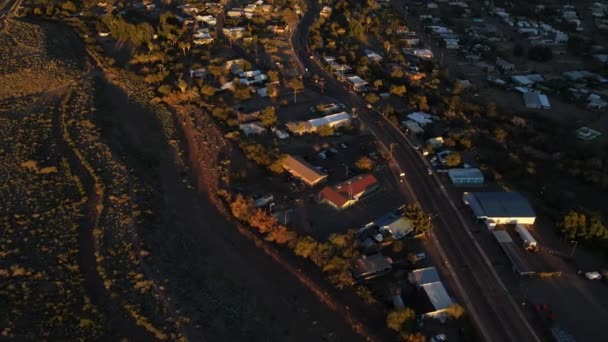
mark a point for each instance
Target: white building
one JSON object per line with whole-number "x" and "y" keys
{"x": 253, "y": 128}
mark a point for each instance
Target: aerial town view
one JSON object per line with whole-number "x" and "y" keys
{"x": 304, "y": 170}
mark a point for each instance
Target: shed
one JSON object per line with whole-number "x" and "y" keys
{"x": 466, "y": 176}
{"x": 370, "y": 266}
{"x": 253, "y": 128}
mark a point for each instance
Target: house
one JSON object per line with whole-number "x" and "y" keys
{"x": 467, "y": 176}
{"x": 235, "y": 66}
{"x": 412, "y": 126}
{"x": 595, "y": 102}
{"x": 303, "y": 171}
{"x": 347, "y": 193}
{"x": 436, "y": 142}
{"x": 587, "y": 134}
{"x": 328, "y": 108}
{"x": 427, "y": 280}
{"x": 198, "y": 73}
{"x": 370, "y": 266}
{"x": 522, "y": 80}
{"x": 209, "y": 19}
{"x": 536, "y": 100}
{"x": 235, "y": 32}
{"x": 202, "y": 37}
{"x": 325, "y": 12}
{"x": 500, "y": 207}
{"x": 399, "y": 227}
{"x": 504, "y": 65}
{"x": 372, "y": 56}
{"x": 235, "y": 13}
{"x": 421, "y": 118}
{"x": 252, "y": 128}
{"x": 281, "y": 134}
{"x": 420, "y": 53}
{"x": 357, "y": 83}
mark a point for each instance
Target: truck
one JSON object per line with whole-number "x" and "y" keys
{"x": 530, "y": 243}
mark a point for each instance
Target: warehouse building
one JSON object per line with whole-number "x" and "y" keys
{"x": 500, "y": 208}
{"x": 469, "y": 176}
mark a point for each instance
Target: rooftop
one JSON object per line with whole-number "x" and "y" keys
{"x": 499, "y": 204}
{"x": 366, "y": 266}
{"x": 424, "y": 276}
{"x": 303, "y": 170}
{"x": 351, "y": 189}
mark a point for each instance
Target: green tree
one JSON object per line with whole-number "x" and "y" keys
{"x": 500, "y": 134}
{"x": 364, "y": 164}
{"x": 576, "y": 225}
{"x": 453, "y": 159}
{"x": 422, "y": 221}
{"x": 455, "y": 311}
{"x": 208, "y": 90}
{"x": 305, "y": 246}
{"x": 296, "y": 85}
{"x": 399, "y": 320}
{"x": 165, "y": 89}
{"x": 491, "y": 109}
{"x": 268, "y": 117}
{"x": 372, "y": 98}
{"x": 398, "y": 90}
{"x": 325, "y": 131}
{"x": 69, "y": 6}
{"x": 242, "y": 207}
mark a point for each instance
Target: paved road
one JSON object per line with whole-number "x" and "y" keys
{"x": 485, "y": 298}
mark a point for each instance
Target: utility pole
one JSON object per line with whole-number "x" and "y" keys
{"x": 350, "y": 190}
{"x": 285, "y": 217}
{"x": 390, "y": 153}
{"x": 573, "y": 248}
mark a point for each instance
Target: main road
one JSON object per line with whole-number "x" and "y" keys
{"x": 485, "y": 297}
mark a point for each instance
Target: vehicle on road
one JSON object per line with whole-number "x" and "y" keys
{"x": 429, "y": 171}
{"x": 439, "y": 338}
{"x": 593, "y": 275}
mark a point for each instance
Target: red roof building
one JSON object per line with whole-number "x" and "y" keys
{"x": 347, "y": 193}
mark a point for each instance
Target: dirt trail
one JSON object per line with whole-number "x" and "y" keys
{"x": 93, "y": 283}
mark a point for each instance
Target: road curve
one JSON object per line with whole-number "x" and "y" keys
{"x": 486, "y": 299}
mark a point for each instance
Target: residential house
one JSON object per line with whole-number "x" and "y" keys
{"x": 252, "y": 128}
{"x": 235, "y": 32}
{"x": 303, "y": 170}
{"x": 536, "y": 100}
{"x": 347, "y": 193}
{"x": 370, "y": 266}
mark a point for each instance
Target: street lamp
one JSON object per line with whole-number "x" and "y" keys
{"x": 285, "y": 217}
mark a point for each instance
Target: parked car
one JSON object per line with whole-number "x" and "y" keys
{"x": 343, "y": 145}
{"x": 333, "y": 151}
{"x": 322, "y": 155}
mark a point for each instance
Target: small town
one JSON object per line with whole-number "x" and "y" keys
{"x": 304, "y": 170}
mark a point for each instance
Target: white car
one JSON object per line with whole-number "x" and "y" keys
{"x": 322, "y": 155}
{"x": 593, "y": 275}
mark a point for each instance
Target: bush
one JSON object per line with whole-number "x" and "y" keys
{"x": 398, "y": 320}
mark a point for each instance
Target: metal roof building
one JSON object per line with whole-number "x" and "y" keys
{"x": 303, "y": 171}
{"x": 536, "y": 100}
{"x": 428, "y": 280}
{"x": 466, "y": 176}
{"x": 500, "y": 207}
